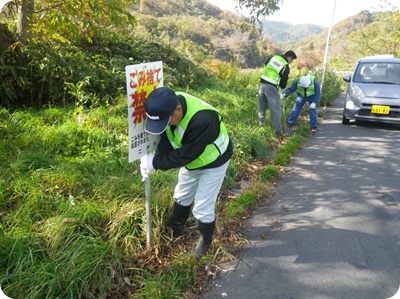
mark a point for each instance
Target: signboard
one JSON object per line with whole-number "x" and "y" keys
{"x": 141, "y": 79}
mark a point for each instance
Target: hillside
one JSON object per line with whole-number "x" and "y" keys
{"x": 202, "y": 32}
{"x": 311, "y": 49}
{"x": 190, "y": 36}
{"x": 285, "y": 33}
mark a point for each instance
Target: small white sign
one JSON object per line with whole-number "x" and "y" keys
{"x": 141, "y": 80}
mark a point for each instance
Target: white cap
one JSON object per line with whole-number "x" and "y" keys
{"x": 305, "y": 81}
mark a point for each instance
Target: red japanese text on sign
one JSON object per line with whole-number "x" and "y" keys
{"x": 139, "y": 113}
{"x": 147, "y": 81}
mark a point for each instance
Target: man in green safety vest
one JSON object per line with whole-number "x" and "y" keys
{"x": 308, "y": 90}
{"x": 274, "y": 76}
{"x": 194, "y": 139}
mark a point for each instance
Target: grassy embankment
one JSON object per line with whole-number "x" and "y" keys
{"x": 72, "y": 213}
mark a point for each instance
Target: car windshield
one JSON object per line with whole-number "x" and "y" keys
{"x": 377, "y": 72}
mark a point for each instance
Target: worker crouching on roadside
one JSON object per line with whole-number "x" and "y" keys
{"x": 194, "y": 139}
{"x": 308, "y": 90}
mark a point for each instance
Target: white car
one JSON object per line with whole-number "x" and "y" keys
{"x": 373, "y": 93}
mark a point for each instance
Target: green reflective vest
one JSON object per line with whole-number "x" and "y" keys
{"x": 213, "y": 150}
{"x": 306, "y": 92}
{"x": 273, "y": 68}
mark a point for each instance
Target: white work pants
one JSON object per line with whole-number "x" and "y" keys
{"x": 200, "y": 186}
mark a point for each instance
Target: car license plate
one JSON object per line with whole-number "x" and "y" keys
{"x": 380, "y": 109}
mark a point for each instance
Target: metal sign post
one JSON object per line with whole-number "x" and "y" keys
{"x": 148, "y": 212}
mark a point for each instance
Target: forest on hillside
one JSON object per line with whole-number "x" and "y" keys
{"x": 76, "y": 49}
{"x": 200, "y": 30}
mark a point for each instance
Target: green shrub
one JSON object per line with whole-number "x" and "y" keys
{"x": 85, "y": 75}
{"x": 331, "y": 88}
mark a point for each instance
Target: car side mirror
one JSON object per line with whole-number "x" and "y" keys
{"x": 347, "y": 78}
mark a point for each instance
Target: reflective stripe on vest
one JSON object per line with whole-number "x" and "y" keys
{"x": 213, "y": 150}
{"x": 306, "y": 92}
{"x": 273, "y": 68}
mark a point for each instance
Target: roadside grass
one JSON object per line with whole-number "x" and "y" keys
{"x": 72, "y": 215}
{"x": 171, "y": 281}
{"x": 269, "y": 173}
{"x": 243, "y": 202}
{"x": 293, "y": 144}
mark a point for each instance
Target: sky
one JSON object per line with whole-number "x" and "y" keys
{"x": 317, "y": 12}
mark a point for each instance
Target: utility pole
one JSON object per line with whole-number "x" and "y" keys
{"x": 327, "y": 47}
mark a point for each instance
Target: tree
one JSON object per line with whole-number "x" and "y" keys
{"x": 259, "y": 8}
{"x": 25, "y": 13}
{"x": 70, "y": 20}
{"x": 382, "y": 37}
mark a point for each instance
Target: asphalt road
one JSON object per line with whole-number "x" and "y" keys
{"x": 333, "y": 228}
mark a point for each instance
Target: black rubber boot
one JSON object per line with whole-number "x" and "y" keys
{"x": 180, "y": 214}
{"x": 205, "y": 240}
